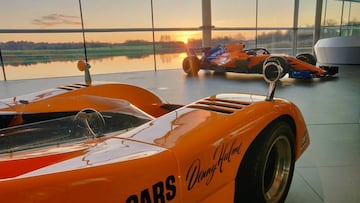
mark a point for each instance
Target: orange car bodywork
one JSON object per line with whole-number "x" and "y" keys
{"x": 187, "y": 154}
{"x": 235, "y": 53}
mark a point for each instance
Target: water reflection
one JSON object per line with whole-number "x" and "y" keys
{"x": 105, "y": 65}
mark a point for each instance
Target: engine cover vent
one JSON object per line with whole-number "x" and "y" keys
{"x": 72, "y": 87}
{"x": 220, "y": 105}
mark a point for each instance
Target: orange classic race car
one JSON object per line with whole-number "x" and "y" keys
{"x": 110, "y": 142}
{"x": 234, "y": 58}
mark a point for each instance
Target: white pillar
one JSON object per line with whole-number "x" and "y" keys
{"x": 206, "y": 23}
{"x": 317, "y": 25}
{"x": 295, "y": 26}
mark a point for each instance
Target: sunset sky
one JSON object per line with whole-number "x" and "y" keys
{"x": 62, "y": 14}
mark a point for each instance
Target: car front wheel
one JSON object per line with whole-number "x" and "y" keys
{"x": 281, "y": 62}
{"x": 266, "y": 171}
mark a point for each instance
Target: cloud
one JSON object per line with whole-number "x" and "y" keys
{"x": 54, "y": 20}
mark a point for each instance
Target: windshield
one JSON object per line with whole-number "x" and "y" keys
{"x": 85, "y": 124}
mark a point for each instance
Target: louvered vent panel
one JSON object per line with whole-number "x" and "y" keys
{"x": 220, "y": 105}
{"x": 72, "y": 87}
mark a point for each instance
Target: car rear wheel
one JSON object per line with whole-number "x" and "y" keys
{"x": 308, "y": 58}
{"x": 191, "y": 65}
{"x": 266, "y": 171}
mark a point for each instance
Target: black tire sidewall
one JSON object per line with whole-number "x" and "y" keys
{"x": 280, "y": 61}
{"x": 308, "y": 58}
{"x": 186, "y": 65}
{"x": 249, "y": 178}
{"x": 191, "y": 65}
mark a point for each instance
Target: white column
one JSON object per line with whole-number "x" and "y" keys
{"x": 206, "y": 23}
{"x": 317, "y": 25}
{"x": 295, "y": 26}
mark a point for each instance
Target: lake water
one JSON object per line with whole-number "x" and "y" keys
{"x": 114, "y": 64}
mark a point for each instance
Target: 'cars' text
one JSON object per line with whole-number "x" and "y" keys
{"x": 161, "y": 192}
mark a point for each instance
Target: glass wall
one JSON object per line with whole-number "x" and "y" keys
{"x": 275, "y": 13}
{"x": 32, "y": 54}
{"x": 235, "y": 14}
{"x": 236, "y": 24}
{"x": 179, "y": 22}
{"x": 340, "y": 18}
{"x": 306, "y": 21}
{"x": 44, "y": 38}
{"x": 259, "y": 23}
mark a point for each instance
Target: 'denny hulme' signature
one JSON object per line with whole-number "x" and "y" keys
{"x": 222, "y": 155}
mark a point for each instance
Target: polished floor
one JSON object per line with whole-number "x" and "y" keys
{"x": 329, "y": 171}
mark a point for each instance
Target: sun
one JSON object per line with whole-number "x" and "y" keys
{"x": 185, "y": 36}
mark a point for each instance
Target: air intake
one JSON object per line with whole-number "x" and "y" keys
{"x": 220, "y": 105}
{"x": 72, "y": 87}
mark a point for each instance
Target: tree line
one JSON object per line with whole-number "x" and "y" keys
{"x": 28, "y": 45}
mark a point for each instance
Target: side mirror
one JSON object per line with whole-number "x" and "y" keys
{"x": 84, "y": 66}
{"x": 272, "y": 73}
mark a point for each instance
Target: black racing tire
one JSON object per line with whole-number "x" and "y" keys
{"x": 191, "y": 65}
{"x": 266, "y": 172}
{"x": 280, "y": 61}
{"x": 308, "y": 58}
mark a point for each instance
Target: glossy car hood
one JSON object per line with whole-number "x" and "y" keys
{"x": 207, "y": 116}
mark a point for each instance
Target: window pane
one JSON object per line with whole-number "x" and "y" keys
{"x": 305, "y": 41}
{"x": 276, "y": 13}
{"x": 20, "y": 14}
{"x": 177, "y": 13}
{"x": 306, "y": 13}
{"x": 331, "y": 13}
{"x": 171, "y": 47}
{"x": 234, "y": 13}
{"x": 117, "y": 14}
{"x": 30, "y": 59}
{"x": 355, "y": 19}
{"x": 351, "y": 19}
{"x": 243, "y": 36}
{"x": 276, "y": 41}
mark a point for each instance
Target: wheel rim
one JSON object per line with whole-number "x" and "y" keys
{"x": 277, "y": 169}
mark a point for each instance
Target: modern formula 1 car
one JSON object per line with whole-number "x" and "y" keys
{"x": 234, "y": 58}
{"x": 110, "y": 142}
